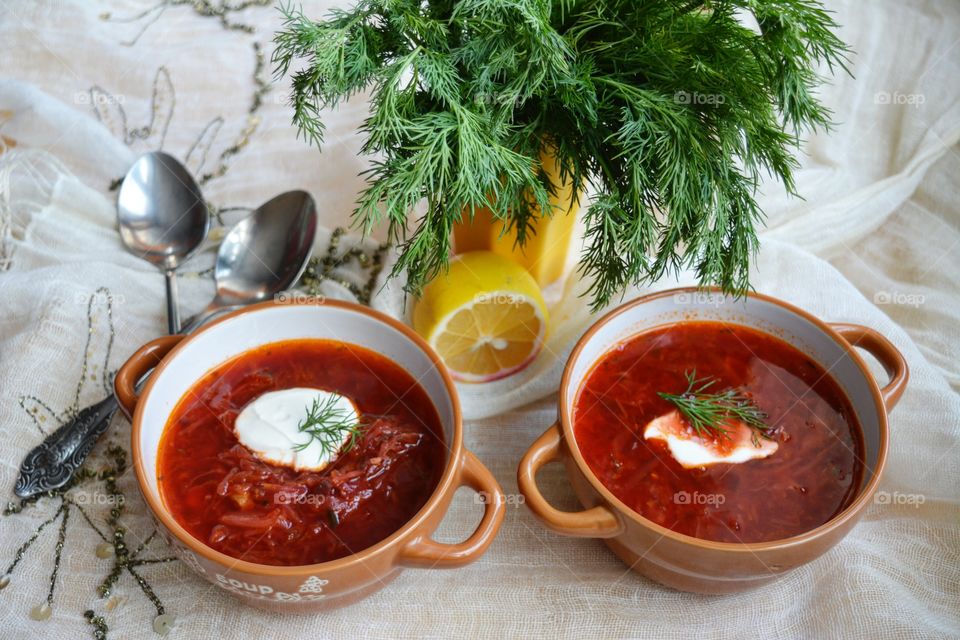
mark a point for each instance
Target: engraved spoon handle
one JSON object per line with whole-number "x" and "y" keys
{"x": 52, "y": 463}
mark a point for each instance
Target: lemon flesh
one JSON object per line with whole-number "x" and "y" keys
{"x": 485, "y": 317}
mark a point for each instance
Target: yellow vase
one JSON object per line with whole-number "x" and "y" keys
{"x": 546, "y": 250}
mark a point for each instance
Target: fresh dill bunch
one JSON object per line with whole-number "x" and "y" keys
{"x": 672, "y": 110}
{"x": 326, "y": 423}
{"x": 709, "y": 413}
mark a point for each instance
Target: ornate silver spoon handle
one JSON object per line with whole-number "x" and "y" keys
{"x": 52, "y": 463}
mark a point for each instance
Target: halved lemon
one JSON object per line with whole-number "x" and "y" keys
{"x": 485, "y": 317}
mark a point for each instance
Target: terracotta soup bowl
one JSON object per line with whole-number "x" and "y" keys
{"x": 681, "y": 561}
{"x": 180, "y": 361}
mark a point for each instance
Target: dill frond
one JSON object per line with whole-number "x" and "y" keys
{"x": 673, "y": 110}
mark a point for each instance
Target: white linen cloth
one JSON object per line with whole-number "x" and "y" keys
{"x": 875, "y": 242}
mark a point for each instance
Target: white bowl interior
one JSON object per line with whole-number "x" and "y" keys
{"x": 751, "y": 312}
{"x": 249, "y": 330}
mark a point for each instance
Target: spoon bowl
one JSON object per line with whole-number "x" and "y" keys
{"x": 263, "y": 255}
{"x": 162, "y": 217}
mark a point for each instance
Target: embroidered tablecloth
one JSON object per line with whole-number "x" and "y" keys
{"x": 88, "y": 85}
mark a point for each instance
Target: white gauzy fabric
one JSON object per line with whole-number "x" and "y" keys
{"x": 875, "y": 242}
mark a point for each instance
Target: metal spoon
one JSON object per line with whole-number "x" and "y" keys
{"x": 253, "y": 263}
{"x": 279, "y": 237}
{"x": 163, "y": 218}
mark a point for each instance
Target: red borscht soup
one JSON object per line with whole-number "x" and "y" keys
{"x": 239, "y": 504}
{"x": 814, "y": 472}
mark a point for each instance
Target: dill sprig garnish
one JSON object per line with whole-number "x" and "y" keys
{"x": 326, "y": 422}
{"x": 674, "y": 111}
{"x": 709, "y": 413}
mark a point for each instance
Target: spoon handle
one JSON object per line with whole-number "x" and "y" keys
{"x": 52, "y": 463}
{"x": 173, "y": 306}
{"x": 215, "y": 309}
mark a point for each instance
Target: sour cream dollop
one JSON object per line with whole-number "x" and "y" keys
{"x": 692, "y": 451}
{"x": 270, "y": 427}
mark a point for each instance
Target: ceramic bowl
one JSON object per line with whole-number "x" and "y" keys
{"x": 684, "y": 562}
{"x": 180, "y": 361}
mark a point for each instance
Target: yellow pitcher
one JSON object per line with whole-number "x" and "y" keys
{"x": 545, "y": 252}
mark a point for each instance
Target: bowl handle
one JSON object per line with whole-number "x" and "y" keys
{"x": 874, "y": 343}
{"x": 599, "y": 522}
{"x": 424, "y": 553}
{"x": 146, "y": 358}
